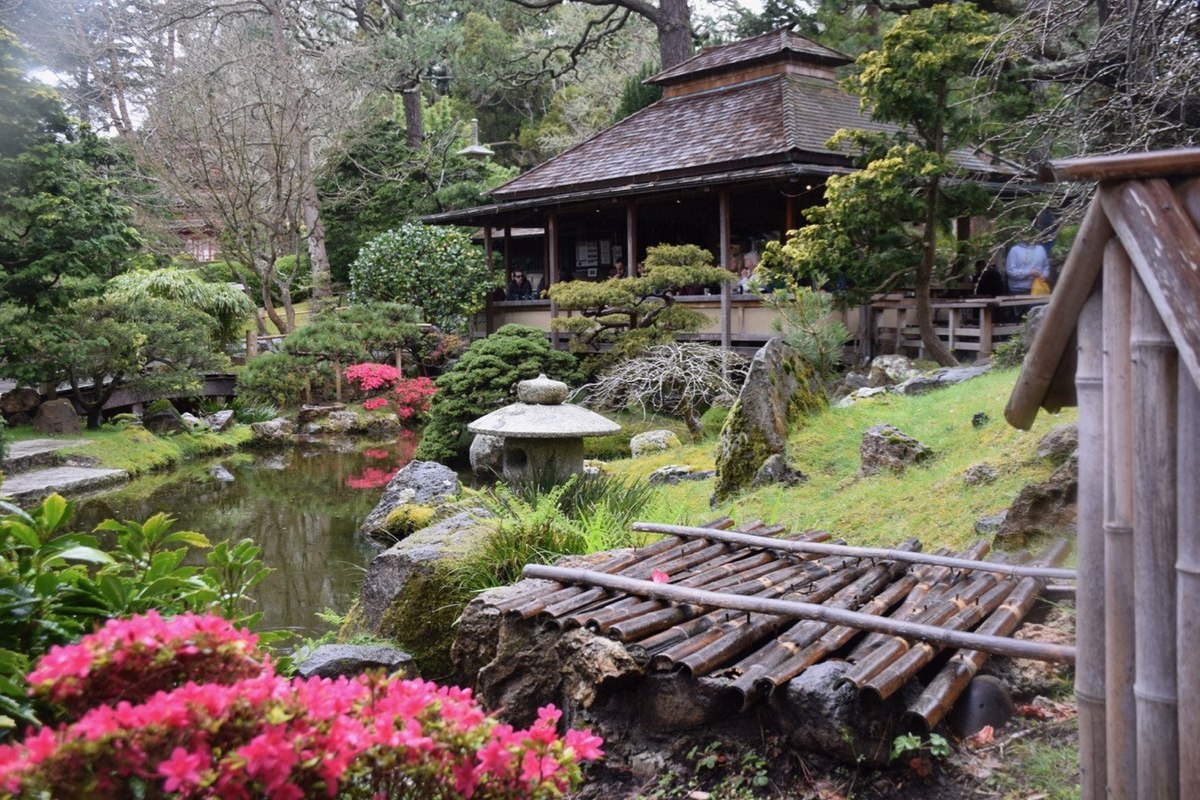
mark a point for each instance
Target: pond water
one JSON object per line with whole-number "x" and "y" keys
{"x": 302, "y": 506}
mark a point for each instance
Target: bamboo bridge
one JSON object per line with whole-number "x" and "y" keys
{"x": 757, "y": 606}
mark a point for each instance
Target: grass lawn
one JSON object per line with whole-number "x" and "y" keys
{"x": 929, "y": 502}
{"x": 137, "y": 451}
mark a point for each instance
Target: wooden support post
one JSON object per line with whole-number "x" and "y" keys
{"x": 1155, "y": 394}
{"x": 631, "y": 241}
{"x": 726, "y": 264}
{"x": 508, "y": 253}
{"x": 1119, "y": 596}
{"x": 789, "y": 216}
{"x": 986, "y": 315}
{"x": 552, "y": 268}
{"x": 1089, "y": 615}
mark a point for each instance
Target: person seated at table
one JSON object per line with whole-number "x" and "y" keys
{"x": 618, "y": 269}
{"x": 1025, "y": 262}
{"x": 519, "y": 288}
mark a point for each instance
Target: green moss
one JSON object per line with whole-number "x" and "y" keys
{"x": 422, "y": 620}
{"x": 137, "y": 451}
{"x": 408, "y": 518}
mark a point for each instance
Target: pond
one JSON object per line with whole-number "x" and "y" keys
{"x": 302, "y": 506}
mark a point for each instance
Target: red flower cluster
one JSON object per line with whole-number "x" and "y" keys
{"x": 370, "y": 377}
{"x": 413, "y": 396}
{"x": 267, "y": 736}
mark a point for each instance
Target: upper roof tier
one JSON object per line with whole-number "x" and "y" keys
{"x": 778, "y": 46}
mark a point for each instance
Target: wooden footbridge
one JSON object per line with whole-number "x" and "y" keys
{"x": 757, "y": 606}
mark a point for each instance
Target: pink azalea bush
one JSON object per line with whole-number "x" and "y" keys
{"x": 409, "y": 396}
{"x": 238, "y": 737}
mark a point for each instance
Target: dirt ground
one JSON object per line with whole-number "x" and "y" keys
{"x": 1034, "y": 757}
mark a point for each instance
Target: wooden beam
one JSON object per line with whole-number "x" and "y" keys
{"x": 552, "y": 266}
{"x": 723, "y": 214}
{"x": 631, "y": 238}
{"x": 1164, "y": 245}
{"x": 1126, "y": 165}
{"x": 1001, "y": 645}
{"x": 1074, "y": 286}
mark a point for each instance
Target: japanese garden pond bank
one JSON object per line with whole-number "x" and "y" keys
{"x": 302, "y": 505}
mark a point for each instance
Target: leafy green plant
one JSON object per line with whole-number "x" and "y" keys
{"x": 484, "y": 379}
{"x": 228, "y": 306}
{"x": 56, "y": 584}
{"x": 915, "y": 747}
{"x": 437, "y": 269}
{"x": 805, "y": 318}
{"x": 280, "y": 379}
{"x": 247, "y": 411}
{"x": 633, "y": 313}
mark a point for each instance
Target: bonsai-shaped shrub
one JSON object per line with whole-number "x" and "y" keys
{"x": 805, "y": 318}
{"x": 230, "y": 307}
{"x": 437, "y": 269}
{"x": 484, "y": 379}
{"x": 212, "y": 719}
{"x": 634, "y": 313}
{"x": 681, "y": 379}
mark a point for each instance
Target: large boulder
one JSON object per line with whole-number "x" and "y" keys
{"x": 406, "y": 595}
{"x": 341, "y": 422}
{"x": 1059, "y": 444}
{"x": 415, "y": 493}
{"x": 57, "y": 417}
{"x": 312, "y": 413}
{"x": 487, "y": 455}
{"x": 1046, "y": 507}
{"x": 780, "y": 387}
{"x": 820, "y": 714}
{"x": 21, "y": 400}
{"x": 279, "y": 431}
{"x": 886, "y": 447}
{"x": 220, "y": 421}
{"x": 652, "y": 442}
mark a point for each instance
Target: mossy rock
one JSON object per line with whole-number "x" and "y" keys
{"x": 408, "y": 518}
{"x": 780, "y": 389}
{"x": 409, "y": 596}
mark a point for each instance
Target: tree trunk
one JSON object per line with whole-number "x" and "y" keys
{"x": 674, "y": 25}
{"x": 414, "y": 126}
{"x": 269, "y": 305}
{"x": 929, "y": 339}
{"x": 310, "y": 208}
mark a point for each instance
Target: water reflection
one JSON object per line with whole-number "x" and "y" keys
{"x": 302, "y": 506}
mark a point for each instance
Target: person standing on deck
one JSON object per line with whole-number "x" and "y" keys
{"x": 1024, "y": 263}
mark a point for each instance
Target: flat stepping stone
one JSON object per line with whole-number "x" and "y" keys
{"x": 30, "y": 487}
{"x": 33, "y": 453}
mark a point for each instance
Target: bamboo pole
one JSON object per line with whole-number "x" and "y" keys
{"x": 1120, "y": 710}
{"x": 935, "y": 702}
{"x": 855, "y": 552}
{"x": 1155, "y": 394}
{"x": 1089, "y": 615}
{"x": 1188, "y": 577}
{"x": 888, "y": 681}
{"x": 797, "y": 610}
{"x": 1124, "y": 165}
{"x": 1074, "y": 285}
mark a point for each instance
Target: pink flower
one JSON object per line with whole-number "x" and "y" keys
{"x": 585, "y": 744}
{"x": 182, "y": 769}
{"x": 658, "y": 576}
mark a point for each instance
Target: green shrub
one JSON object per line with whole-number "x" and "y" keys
{"x": 247, "y": 411}
{"x": 437, "y": 269}
{"x": 363, "y": 332}
{"x": 484, "y": 379}
{"x": 805, "y": 318}
{"x": 56, "y": 585}
{"x": 540, "y": 521}
{"x": 280, "y": 379}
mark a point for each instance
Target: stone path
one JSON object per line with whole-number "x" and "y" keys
{"x": 32, "y": 472}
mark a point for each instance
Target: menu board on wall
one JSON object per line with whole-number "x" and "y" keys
{"x": 587, "y": 253}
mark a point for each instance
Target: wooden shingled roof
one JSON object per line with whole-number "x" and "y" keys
{"x": 772, "y": 100}
{"x": 1151, "y": 203}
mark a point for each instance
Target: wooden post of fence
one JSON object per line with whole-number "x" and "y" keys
{"x": 1119, "y": 597}
{"x": 1089, "y": 623}
{"x": 1155, "y": 394}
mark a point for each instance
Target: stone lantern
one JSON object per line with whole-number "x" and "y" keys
{"x": 541, "y": 430}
